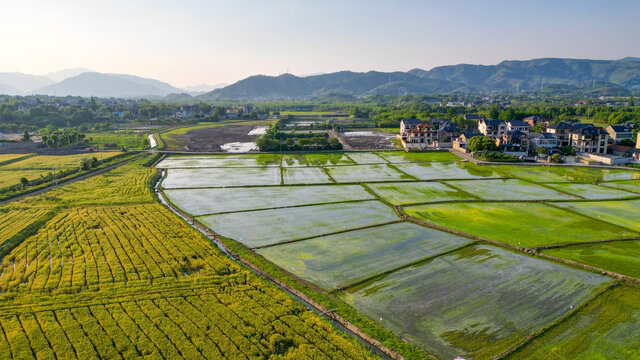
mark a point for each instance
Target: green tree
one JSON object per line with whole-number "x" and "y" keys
{"x": 26, "y": 137}
{"x": 24, "y": 181}
{"x": 541, "y": 151}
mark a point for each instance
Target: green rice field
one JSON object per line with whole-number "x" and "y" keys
{"x": 12, "y": 177}
{"x": 366, "y": 158}
{"x": 404, "y": 157}
{"x": 593, "y": 192}
{"x": 627, "y": 185}
{"x": 438, "y": 171}
{"x": 508, "y": 189}
{"x": 624, "y": 213}
{"x": 267, "y": 227}
{"x": 475, "y": 302}
{"x": 606, "y": 328}
{"x": 338, "y": 260}
{"x": 217, "y": 200}
{"x": 507, "y": 223}
{"x": 564, "y": 174}
{"x": 220, "y": 161}
{"x": 293, "y": 160}
{"x": 400, "y": 193}
{"x": 622, "y": 257}
{"x": 310, "y": 175}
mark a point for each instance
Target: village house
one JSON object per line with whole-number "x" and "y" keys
{"x": 518, "y": 125}
{"x": 460, "y": 143}
{"x": 515, "y": 142}
{"x": 536, "y": 120}
{"x": 474, "y": 117}
{"x": 233, "y": 114}
{"x": 408, "y": 124}
{"x": 445, "y": 134}
{"x": 618, "y": 133}
{"x": 548, "y": 141}
{"x": 420, "y": 137}
{"x": 589, "y": 139}
{"x": 561, "y": 131}
{"x": 492, "y": 128}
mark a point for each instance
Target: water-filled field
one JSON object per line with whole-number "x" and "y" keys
{"x": 622, "y": 257}
{"x": 606, "y": 328}
{"x": 436, "y": 170}
{"x": 366, "y": 158}
{"x": 338, "y": 260}
{"x": 217, "y": 200}
{"x": 310, "y": 175}
{"x": 627, "y": 185}
{"x": 625, "y": 213}
{"x": 593, "y": 192}
{"x": 508, "y": 189}
{"x": 402, "y": 193}
{"x": 293, "y": 160}
{"x": 221, "y": 177}
{"x": 364, "y": 173}
{"x": 564, "y": 174}
{"x": 475, "y": 302}
{"x": 521, "y": 224}
{"x": 266, "y": 227}
{"x": 220, "y": 161}
{"x": 403, "y": 157}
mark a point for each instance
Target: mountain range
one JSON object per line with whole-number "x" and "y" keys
{"x": 604, "y": 77}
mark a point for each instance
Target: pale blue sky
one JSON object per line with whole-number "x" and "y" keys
{"x": 190, "y": 42}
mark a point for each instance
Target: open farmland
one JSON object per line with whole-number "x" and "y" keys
{"x": 627, "y": 185}
{"x": 622, "y": 257}
{"x": 504, "y": 222}
{"x": 475, "y": 302}
{"x": 12, "y": 177}
{"x": 185, "y": 162}
{"x": 133, "y": 280}
{"x": 417, "y": 192}
{"x": 606, "y": 328}
{"x": 58, "y": 162}
{"x": 404, "y": 276}
{"x": 625, "y": 213}
{"x": 342, "y": 259}
{"x": 211, "y": 201}
{"x": 508, "y": 189}
{"x": 267, "y": 227}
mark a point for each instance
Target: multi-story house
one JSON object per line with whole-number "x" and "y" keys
{"x": 618, "y": 133}
{"x": 515, "y": 141}
{"x": 420, "y": 137}
{"x": 492, "y": 128}
{"x": 406, "y": 125}
{"x": 593, "y": 140}
{"x": 518, "y": 125}
{"x": 548, "y": 141}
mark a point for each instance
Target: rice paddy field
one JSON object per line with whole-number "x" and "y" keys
{"x": 59, "y": 162}
{"x": 396, "y": 237}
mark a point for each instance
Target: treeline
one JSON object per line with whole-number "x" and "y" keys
{"x": 61, "y": 138}
{"x": 273, "y": 141}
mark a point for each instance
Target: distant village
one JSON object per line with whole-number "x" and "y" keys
{"x": 531, "y": 137}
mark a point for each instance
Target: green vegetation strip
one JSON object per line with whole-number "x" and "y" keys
{"x": 624, "y": 213}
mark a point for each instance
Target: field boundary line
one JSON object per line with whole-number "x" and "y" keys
{"x": 593, "y": 218}
{"x": 401, "y": 267}
{"x": 556, "y": 322}
{"x": 285, "y": 207}
{"x": 563, "y": 245}
{"x": 604, "y": 184}
{"x": 297, "y": 294}
{"x": 327, "y": 234}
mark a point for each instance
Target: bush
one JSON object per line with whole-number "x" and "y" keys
{"x": 555, "y": 158}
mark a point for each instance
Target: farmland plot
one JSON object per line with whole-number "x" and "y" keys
{"x": 593, "y": 192}
{"x": 435, "y": 171}
{"x": 627, "y": 185}
{"x": 622, "y": 257}
{"x": 365, "y": 173}
{"x": 508, "y": 189}
{"x": 405, "y": 157}
{"x": 624, "y": 213}
{"x": 564, "y": 174}
{"x": 606, "y": 328}
{"x": 400, "y": 193}
{"x": 12, "y": 177}
{"x": 83, "y": 247}
{"x": 311, "y": 175}
{"x": 206, "y": 321}
{"x": 296, "y": 160}
{"x": 475, "y": 302}
{"x": 520, "y": 224}
{"x": 210, "y": 201}
{"x": 14, "y": 220}
{"x": 9, "y": 157}
{"x": 366, "y": 158}
{"x": 267, "y": 227}
{"x": 48, "y": 162}
{"x": 338, "y": 260}
{"x": 220, "y": 161}
{"x": 221, "y": 177}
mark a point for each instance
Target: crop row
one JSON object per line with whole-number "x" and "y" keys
{"x": 249, "y": 322}
{"x": 82, "y": 247}
{"x": 14, "y": 220}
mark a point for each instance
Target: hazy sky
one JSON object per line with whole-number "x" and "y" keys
{"x": 188, "y": 42}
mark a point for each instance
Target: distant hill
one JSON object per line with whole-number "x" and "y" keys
{"x": 202, "y": 88}
{"x": 58, "y": 76}
{"x": 22, "y": 83}
{"x": 109, "y": 85}
{"x": 618, "y": 77}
